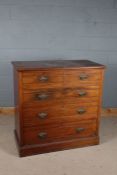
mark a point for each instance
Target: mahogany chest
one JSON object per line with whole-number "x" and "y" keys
{"x": 57, "y": 104}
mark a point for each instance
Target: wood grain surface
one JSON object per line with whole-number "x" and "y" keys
{"x": 58, "y": 105}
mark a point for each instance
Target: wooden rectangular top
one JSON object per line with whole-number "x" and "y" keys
{"x": 32, "y": 65}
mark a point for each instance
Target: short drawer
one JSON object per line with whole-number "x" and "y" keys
{"x": 77, "y": 112}
{"x": 81, "y": 92}
{"x": 81, "y": 95}
{"x": 41, "y": 135}
{"x": 73, "y": 78}
{"x": 84, "y": 101}
{"x": 33, "y": 80}
{"x": 43, "y": 98}
{"x": 42, "y": 116}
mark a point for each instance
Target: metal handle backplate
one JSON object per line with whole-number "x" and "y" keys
{"x": 82, "y": 93}
{"x": 81, "y": 111}
{"x": 42, "y": 135}
{"x": 42, "y": 115}
{"x": 80, "y": 129}
{"x": 42, "y": 96}
{"x": 43, "y": 78}
{"x": 83, "y": 76}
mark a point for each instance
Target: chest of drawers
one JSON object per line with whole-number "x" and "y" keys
{"x": 57, "y": 104}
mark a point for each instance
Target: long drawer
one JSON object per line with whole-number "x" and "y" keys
{"x": 41, "y": 135}
{"x": 46, "y": 97}
{"x": 58, "y": 115}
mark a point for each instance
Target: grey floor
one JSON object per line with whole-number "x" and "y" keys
{"x": 96, "y": 160}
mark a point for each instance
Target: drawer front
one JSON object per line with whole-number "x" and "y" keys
{"x": 81, "y": 101}
{"x": 73, "y": 78}
{"x": 43, "y": 134}
{"x": 58, "y": 115}
{"x": 43, "y": 98}
{"x": 77, "y": 112}
{"x": 34, "y": 80}
{"x": 81, "y": 95}
{"x": 81, "y": 92}
{"x": 49, "y": 97}
{"x": 42, "y": 116}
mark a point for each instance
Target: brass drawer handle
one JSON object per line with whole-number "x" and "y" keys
{"x": 42, "y": 135}
{"x": 82, "y": 93}
{"x": 83, "y": 76}
{"x": 80, "y": 129}
{"x": 81, "y": 111}
{"x": 42, "y": 115}
{"x": 42, "y": 96}
{"x": 43, "y": 78}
